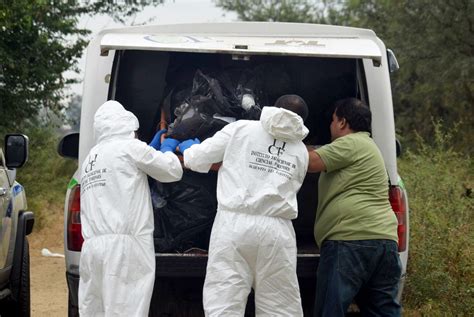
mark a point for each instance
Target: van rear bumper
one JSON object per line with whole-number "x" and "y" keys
{"x": 182, "y": 275}
{"x": 180, "y": 278}
{"x": 194, "y": 265}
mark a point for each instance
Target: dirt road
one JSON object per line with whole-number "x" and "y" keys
{"x": 48, "y": 281}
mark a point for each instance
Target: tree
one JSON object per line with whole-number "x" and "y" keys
{"x": 434, "y": 43}
{"x": 308, "y": 11}
{"x": 39, "y": 41}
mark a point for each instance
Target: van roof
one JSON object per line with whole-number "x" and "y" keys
{"x": 242, "y": 38}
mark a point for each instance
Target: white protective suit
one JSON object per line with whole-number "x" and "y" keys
{"x": 117, "y": 265}
{"x": 253, "y": 242}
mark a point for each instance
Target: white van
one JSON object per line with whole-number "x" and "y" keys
{"x": 141, "y": 66}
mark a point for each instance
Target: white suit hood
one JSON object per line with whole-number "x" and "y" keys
{"x": 283, "y": 124}
{"x": 111, "y": 119}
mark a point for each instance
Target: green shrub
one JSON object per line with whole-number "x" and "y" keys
{"x": 439, "y": 181}
{"x": 46, "y": 174}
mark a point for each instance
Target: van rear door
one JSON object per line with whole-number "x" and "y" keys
{"x": 339, "y": 47}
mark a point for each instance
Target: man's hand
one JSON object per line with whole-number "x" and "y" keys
{"x": 156, "y": 142}
{"x": 183, "y": 146}
{"x": 169, "y": 144}
{"x": 315, "y": 163}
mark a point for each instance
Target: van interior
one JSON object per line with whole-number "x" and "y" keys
{"x": 144, "y": 80}
{"x": 141, "y": 81}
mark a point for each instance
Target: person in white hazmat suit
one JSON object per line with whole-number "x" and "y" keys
{"x": 117, "y": 265}
{"x": 253, "y": 242}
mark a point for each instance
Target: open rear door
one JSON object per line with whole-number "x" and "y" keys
{"x": 339, "y": 47}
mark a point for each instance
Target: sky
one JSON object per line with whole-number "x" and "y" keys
{"x": 171, "y": 12}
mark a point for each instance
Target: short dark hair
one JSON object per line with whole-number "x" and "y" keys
{"x": 356, "y": 113}
{"x": 293, "y": 103}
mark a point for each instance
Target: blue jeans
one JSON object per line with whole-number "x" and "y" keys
{"x": 365, "y": 270}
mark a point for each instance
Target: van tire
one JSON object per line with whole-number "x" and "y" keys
{"x": 72, "y": 311}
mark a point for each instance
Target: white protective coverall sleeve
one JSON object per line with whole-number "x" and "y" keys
{"x": 253, "y": 242}
{"x": 200, "y": 157}
{"x": 164, "y": 167}
{"x": 117, "y": 264}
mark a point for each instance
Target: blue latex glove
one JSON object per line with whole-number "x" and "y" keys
{"x": 156, "y": 142}
{"x": 183, "y": 146}
{"x": 169, "y": 144}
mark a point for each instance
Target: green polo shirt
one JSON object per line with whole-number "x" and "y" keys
{"x": 353, "y": 192}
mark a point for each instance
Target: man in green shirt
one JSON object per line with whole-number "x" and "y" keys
{"x": 355, "y": 227}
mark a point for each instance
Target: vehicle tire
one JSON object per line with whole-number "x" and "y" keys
{"x": 72, "y": 311}
{"x": 23, "y": 303}
{"x": 21, "y": 306}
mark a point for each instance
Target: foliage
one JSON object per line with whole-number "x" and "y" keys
{"x": 261, "y": 10}
{"x": 434, "y": 43}
{"x": 39, "y": 41}
{"x": 46, "y": 175}
{"x": 439, "y": 181}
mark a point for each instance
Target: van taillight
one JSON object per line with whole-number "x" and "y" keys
{"x": 74, "y": 234}
{"x": 399, "y": 206}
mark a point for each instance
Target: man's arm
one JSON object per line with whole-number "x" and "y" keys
{"x": 315, "y": 163}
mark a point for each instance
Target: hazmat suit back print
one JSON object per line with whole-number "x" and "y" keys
{"x": 117, "y": 265}
{"x": 253, "y": 242}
